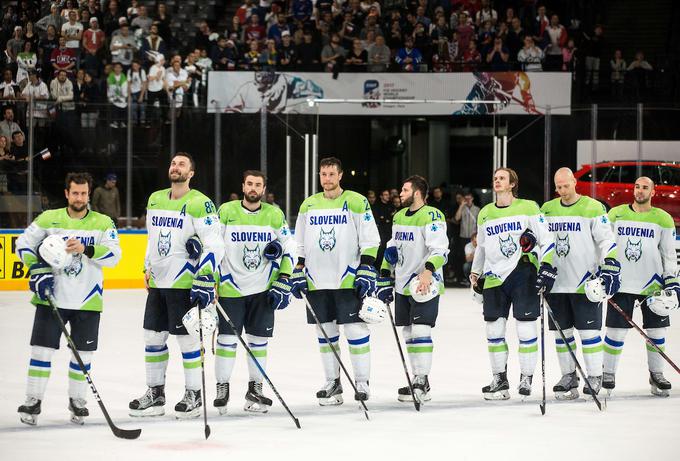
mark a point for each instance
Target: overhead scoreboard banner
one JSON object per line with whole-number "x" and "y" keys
{"x": 290, "y": 92}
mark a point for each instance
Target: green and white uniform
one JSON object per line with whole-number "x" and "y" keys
{"x": 245, "y": 279}
{"x": 78, "y": 291}
{"x": 510, "y": 276}
{"x": 583, "y": 239}
{"x": 333, "y": 236}
{"x": 646, "y": 242}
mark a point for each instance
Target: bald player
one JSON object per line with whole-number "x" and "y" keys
{"x": 646, "y": 237}
{"x": 584, "y": 246}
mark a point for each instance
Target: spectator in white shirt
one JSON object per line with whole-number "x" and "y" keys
{"x": 138, "y": 83}
{"x": 531, "y": 56}
{"x": 73, "y": 32}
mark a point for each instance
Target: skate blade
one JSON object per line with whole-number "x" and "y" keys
{"x": 405, "y": 398}
{"x": 148, "y": 412}
{"x": 222, "y": 410}
{"x": 660, "y": 392}
{"x": 331, "y": 401}
{"x": 195, "y": 413}
{"x": 524, "y": 397}
{"x": 255, "y": 407}
{"x": 498, "y": 395}
{"x": 29, "y": 419}
{"x": 569, "y": 395}
{"x": 79, "y": 420}
{"x": 421, "y": 396}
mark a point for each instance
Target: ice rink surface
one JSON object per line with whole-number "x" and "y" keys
{"x": 456, "y": 425}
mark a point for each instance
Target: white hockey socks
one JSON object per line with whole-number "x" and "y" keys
{"x": 331, "y": 368}
{"x": 654, "y": 359}
{"x": 77, "y": 383}
{"x": 39, "y": 369}
{"x": 498, "y": 348}
{"x": 567, "y": 364}
{"x": 419, "y": 347}
{"x": 258, "y": 345}
{"x": 613, "y": 347}
{"x": 358, "y": 338}
{"x": 156, "y": 356}
{"x": 528, "y": 347}
{"x": 225, "y": 356}
{"x": 591, "y": 342}
{"x": 191, "y": 356}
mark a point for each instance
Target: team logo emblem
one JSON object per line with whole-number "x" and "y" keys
{"x": 164, "y": 243}
{"x": 400, "y": 253}
{"x": 327, "y": 239}
{"x": 73, "y": 269}
{"x": 562, "y": 245}
{"x": 633, "y": 250}
{"x": 252, "y": 258}
{"x": 508, "y": 246}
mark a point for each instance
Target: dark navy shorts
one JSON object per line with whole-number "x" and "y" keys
{"x": 84, "y": 328}
{"x": 165, "y": 308}
{"x": 341, "y": 306}
{"x": 574, "y": 310}
{"x": 626, "y": 302}
{"x": 408, "y": 312}
{"x": 252, "y": 312}
{"x": 518, "y": 290}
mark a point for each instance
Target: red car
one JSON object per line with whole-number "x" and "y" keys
{"x": 615, "y": 182}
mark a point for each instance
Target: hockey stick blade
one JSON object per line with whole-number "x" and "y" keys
{"x": 129, "y": 434}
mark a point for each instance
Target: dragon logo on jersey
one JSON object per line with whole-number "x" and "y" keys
{"x": 508, "y": 246}
{"x": 252, "y": 258}
{"x": 73, "y": 269}
{"x": 562, "y": 245}
{"x": 164, "y": 243}
{"x": 633, "y": 250}
{"x": 327, "y": 239}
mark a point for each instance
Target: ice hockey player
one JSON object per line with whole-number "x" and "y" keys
{"x": 645, "y": 236}
{"x": 65, "y": 250}
{"x": 416, "y": 253}
{"x": 506, "y": 232}
{"x": 254, "y": 272}
{"x": 337, "y": 242}
{"x": 584, "y": 248}
{"x": 182, "y": 251}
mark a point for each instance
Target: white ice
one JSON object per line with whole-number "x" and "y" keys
{"x": 457, "y": 424}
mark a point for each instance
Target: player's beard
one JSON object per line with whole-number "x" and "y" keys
{"x": 407, "y": 202}
{"x": 179, "y": 178}
{"x": 642, "y": 201}
{"x": 252, "y": 197}
{"x": 77, "y": 207}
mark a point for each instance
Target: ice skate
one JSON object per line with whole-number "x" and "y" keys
{"x": 422, "y": 392}
{"x": 190, "y": 405}
{"x": 660, "y": 385}
{"x": 524, "y": 387}
{"x": 256, "y": 402}
{"x": 78, "y": 411}
{"x": 29, "y": 411}
{"x": 595, "y": 383}
{"x": 567, "y": 387}
{"x": 608, "y": 382}
{"x": 331, "y": 393}
{"x": 498, "y": 389}
{"x": 152, "y": 403}
{"x": 362, "y": 394}
{"x": 221, "y": 398}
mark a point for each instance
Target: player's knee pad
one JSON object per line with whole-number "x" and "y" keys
{"x": 526, "y": 330}
{"x": 227, "y": 340}
{"x": 588, "y": 334}
{"x": 356, "y": 330}
{"x": 188, "y": 343}
{"x": 85, "y": 356}
{"x": 617, "y": 334}
{"x": 568, "y": 333}
{"x": 256, "y": 340}
{"x": 44, "y": 354}
{"x": 155, "y": 338}
{"x": 420, "y": 331}
{"x": 656, "y": 333}
{"x": 496, "y": 329}
{"x": 331, "y": 328}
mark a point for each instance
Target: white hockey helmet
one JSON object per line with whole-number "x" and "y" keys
{"x": 53, "y": 251}
{"x": 663, "y": 302}
{"x": 209, "y": 321}
{"x": 431, "y": 292}
{"x": 373, "y": 310}
{"x": 594, "y": 289}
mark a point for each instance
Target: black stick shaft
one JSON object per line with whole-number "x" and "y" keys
{"x": 542, "y": 356}
{"x": 416, "y": 403}
{"x": 206, "y": 427}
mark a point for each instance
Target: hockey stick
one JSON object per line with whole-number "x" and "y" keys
{"x": 648, "y": 340}
{"x": 335, "y": 353}
{"x": 542, "y": 405}
{"x": 257, "y": 363}
{"x": 206, "y": 427}
{"x": 129, "y": 434}
{"x": 416, "y": 403}
{"x": 571, "y": 352}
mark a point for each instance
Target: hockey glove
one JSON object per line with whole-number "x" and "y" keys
{"x": 364, "y": 282}
{"x": 546, "y": 278}
{"x": 610, "y": 273}
{"x": 41, "y": 280}
{"x": 279, "y": 293}
{"x": 527, "y": 241}
{"x": 673, "y": 287}
{"x": 203, "y": 291}
{"x": 298, "y": 282}
{"x": 384, "y": 290}
{"x": 194, "y": 247}
{"x": 391, "y": 255}
{"x": 273, "y": 250}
